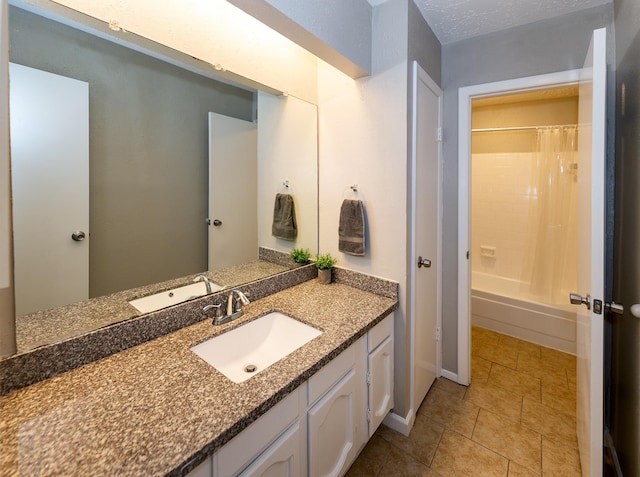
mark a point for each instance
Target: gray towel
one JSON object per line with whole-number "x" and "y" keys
{"x": 284, "y": 218}
{"x": 351, "y": 228}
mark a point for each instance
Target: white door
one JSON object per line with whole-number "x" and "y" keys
{"x": 49, "y": 120}
{"x": 233, "y": 186}
{"x": 590, "y": 248}
{"x": 426, "y": 248}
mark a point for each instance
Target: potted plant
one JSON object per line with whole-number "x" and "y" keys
{"x": 324, "y": 264}
{"x": 301, "y": 255}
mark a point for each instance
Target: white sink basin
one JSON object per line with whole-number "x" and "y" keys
{"x": 172, "y": 297}
{"x": 245, "y": 351}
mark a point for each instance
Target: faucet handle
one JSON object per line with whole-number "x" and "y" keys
{"x": 217, "y": 311}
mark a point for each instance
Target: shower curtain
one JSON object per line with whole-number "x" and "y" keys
{"x": 550, "y": 267}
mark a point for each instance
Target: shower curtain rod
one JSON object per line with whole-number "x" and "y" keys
{"x": 522, "y": 128}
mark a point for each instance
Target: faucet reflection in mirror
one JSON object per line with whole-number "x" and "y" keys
{"x": 147, "y": 187}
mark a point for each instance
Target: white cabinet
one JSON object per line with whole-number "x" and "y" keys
{"x": 332, "y": 427}
{"x": 203, "y": 470}
{"x": 380, "y": 373}
{"x": 271, "y": 443}
{"x": 280, "y": 459}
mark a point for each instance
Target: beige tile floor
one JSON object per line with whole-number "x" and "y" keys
{"x": 517, "y": 418}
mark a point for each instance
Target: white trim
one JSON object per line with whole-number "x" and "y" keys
{"x": 400, "y": 424}
{"x": 419, "y": 73}
{"x": 445, "y": 373}
{"x": 465, "y": 95}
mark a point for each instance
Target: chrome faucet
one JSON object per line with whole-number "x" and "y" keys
{"x": 235, "y": 306}
{"x": 203, "y": 278}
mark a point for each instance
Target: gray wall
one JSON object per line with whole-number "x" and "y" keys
{"x": 424, "y": 46}
{"x": 148, "y": 151}
{"x": 337, "y": 31}
{"x": 624, "y": 347}
{"x": 548, "y": 46}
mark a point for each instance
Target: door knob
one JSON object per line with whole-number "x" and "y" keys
{"x": 217, "y": 223}
{"x": 424, "y": 262}
{"x": 580, "y": 300}
{"x": 78, "y": 235}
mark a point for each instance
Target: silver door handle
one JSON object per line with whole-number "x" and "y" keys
{"x": 424, "y": 262}
{"x": 78, "y": 235}
{"x": 580, "y": 300}
{"x": 217, "y": 223}
{"x": 616, "y": 308}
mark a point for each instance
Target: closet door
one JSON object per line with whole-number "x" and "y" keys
{"x": 50, "y": 181}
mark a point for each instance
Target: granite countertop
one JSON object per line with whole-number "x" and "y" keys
{"x": 149, "y": 409}
{"x": 53, "y": 325}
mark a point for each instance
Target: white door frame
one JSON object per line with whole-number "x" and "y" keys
{"x": 420, "y": 75}
{"x": 465, "y": 96}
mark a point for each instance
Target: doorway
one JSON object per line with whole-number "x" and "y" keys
{"x": 466, "y": 96}
{"x": 523, "y": 215}
{"x": 592, "y": 80}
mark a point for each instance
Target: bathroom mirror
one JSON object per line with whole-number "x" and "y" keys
{"x": 149, "y": 142}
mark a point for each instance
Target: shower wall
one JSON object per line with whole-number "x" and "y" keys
{"x": 502, "y": 178}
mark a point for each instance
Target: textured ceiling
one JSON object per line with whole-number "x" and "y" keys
{"x": 455, "y": 20}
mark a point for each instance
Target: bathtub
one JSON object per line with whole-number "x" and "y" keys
{"x": 498, "y": 304}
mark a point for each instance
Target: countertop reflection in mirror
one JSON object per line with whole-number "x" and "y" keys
{"x": 148, "y": 173}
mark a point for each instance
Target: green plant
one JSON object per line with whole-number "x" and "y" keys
{"x": 325, "y": 262}
{"x": 301, "y": 255}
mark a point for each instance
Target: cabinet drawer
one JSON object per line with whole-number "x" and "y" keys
{"x": 380, "y": 332}
{"x": 247, "y": 445}
{"x": 324, "y": 379}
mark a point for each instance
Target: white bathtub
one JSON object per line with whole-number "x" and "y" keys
{"x": 499, "y": 304}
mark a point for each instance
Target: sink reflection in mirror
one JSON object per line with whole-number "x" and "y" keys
{"x": 172, "y": 297}
{"x": 147, "y": 198}
{"x": 243, "y": 352}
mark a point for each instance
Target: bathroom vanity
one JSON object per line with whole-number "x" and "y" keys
{"x": 159, "y": 409}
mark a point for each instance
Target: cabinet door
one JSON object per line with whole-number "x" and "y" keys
{"x": 332, "y": 425}
{"x": 280, "y": 459}
{"x": 380, "y": 383}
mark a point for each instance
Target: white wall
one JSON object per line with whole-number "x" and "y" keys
{"x": 287, "y": 151}
{"x": 363, "y": 140}
{"x": 7, "y": 311}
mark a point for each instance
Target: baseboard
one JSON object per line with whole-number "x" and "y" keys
{"x": 449, "y": 375}
{"x": 401, "y": 424}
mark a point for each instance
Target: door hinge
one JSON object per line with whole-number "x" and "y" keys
{"x": 437, "y": 333}
{"x": 368, "y": 377}
{"x": 368, "y": 415}
{"x": 467, "y": 254}
{"x": 439, "y": 134}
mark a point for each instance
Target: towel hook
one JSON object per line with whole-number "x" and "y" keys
{"x": 354, "y": 187}
{"x": 286, "y": 184}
